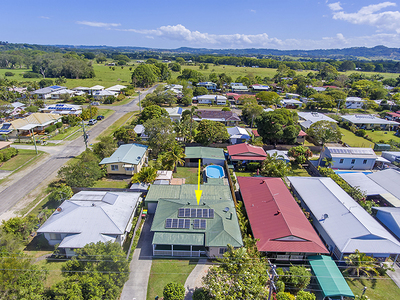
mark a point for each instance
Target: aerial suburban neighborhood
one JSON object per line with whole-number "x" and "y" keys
{"x": 228, "y": 172}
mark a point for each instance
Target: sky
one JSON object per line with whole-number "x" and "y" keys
{"x": 218, "y": 24}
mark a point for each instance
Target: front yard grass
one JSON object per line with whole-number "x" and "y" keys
{"x": 164, "y": 271}
{"x": 190, "y": 174}
{"x": 66, "y": 133}
{"x": 23, "y": 157}
{"x": 109, "y": 183}
{"x": 378, "y": 288}
{"x": 54, "y": 267}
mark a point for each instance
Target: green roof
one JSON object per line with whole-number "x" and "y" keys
{"x": 223, "y": 229}
{"x": 204, "y": 152}
{"x": 215, "y": 181}
{"x": 128, "y": 153}
{"x": 170, "y": 238}
{"x": 329, "y": 277}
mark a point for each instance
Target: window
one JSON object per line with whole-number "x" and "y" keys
{"x": 341, "y": 161}
{"x": 364, "y": 162}
{"x": 353, "y": 161}
{"x": 130, "y": 169}
{"x": 222, "y": 250}
{"x": 55, "y": 236}
{"x": 114, "y": 167}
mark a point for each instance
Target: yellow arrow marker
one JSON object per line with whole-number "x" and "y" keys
{"x": 198, "y": 191}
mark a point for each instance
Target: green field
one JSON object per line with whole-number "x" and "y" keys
{"x": 164, "y": 271}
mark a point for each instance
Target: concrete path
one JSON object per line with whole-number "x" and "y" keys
{"x": 395, "y": 275}
{"x": 194, "y": 279}
{"x": 136, "y": 286}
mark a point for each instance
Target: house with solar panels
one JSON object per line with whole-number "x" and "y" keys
{"x": 184, "y": 228}
{"x": 349, "y": 158}
{"x": 45, "y": 93}
{"x": 63, "y": 109}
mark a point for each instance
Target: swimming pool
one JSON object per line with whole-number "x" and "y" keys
{"x": 347, "y": 172}
{"x": 215, "y": 171}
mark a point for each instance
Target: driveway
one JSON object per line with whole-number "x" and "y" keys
{"x": 136, "y": 286}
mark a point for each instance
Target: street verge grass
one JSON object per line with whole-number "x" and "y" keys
{"x": 164, "y": 271}
{"x": 116, "y": 125}
{"x": 24, "y": 156}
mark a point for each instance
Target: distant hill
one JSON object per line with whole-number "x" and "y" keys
{"x": 354, "y": 53}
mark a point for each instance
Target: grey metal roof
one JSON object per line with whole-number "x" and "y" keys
{"x": 91, "y": 216}
{"x": 128, "y": 153}
{"x": 367, "y": 119}
{"x": 349, "y": 226}
{"x": 353, "y": 152}
{"x": 388, "y": 179}
{"x": 363, "y": 182}
{"x": 314, "y": 117}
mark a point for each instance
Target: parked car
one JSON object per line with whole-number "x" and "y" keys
{"x": 99, "y": 118}
{"x": 95, "y": 103}
{"x": 92, "y": 121}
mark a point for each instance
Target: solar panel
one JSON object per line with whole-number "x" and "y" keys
{"x": 193, "y": 213}
{"x": 196, "y": 224}
{"x": 168, "y": 223}
{"x": 181, "y": 223}
{"x": 211, "y": 213}
{"x": 187, "y": 223}
{"x": 181, "y": 213}
{"x": 187, "y": 212}
{"x": 199, "y": 213}
{"x": 203, "y": 224}
{"x": 205, "y": 213}
{"x": 174, "y": 223}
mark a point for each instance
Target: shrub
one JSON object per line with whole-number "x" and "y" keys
{"x": 226, "y": 109}
{"x": 284, "y": 296}
{"x": 9, "y": 73}
{"x": 59, "y": 124}
{"x": 51, "y": 128}
{"x": 302, "y": 295}
{"x": 361, "y": 132}
{"x": 201, "y": 294}
{"x": 78, "y": 99}
{"x": 31, "y": 75}
{"x": 174, "y": 291}
{"x": 7, "y": 153}
{"x": 253, "y": 166}
{"x": 109, "y": 100}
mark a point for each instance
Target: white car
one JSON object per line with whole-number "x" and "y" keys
{"x": 92, "y": 121}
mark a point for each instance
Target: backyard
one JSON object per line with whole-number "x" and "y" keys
{"x": 378, "y": 288}
{"x": 189, "y": 173}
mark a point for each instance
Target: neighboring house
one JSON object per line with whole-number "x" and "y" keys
{"x": 393, "y": 116}
{"x": 306, "y": 119}
{"x": 210, "y": 99}
{"x": 246, "y": 152}
{"x": 281, "y": 155}
{"x": 128, "y": 159}
{"x": 63, "y": 109}
{"x": 16, "y": 108}
{"x": 233, "y": 98}
{"x": 349, "y": 158}
{"x": 45, "y": 93}
{"x": 228, "y": 118}
{"x": 390, "y": 218}
{"x": 82, "y": 89}
{"x": 91, "y": 217}
{"x": 319, "y": 88}
{"x": 276, "y": 220}
{"x": 208, "y": 156}
{"x": 341, "y": 222}
{"x": 211, "y": 86}
{"x": 37, "y": 122}
{"x": 116, "y": 88}
{"x": 176, "y": 87}
{"x": 175, "y": 113}
{"x": 259, "y": 88}
{"x": 103, "y": 94}
{"x": 238, "y": 135}
{"x": 291, "y": 103}
{"x": 139, "y": 130}
{"x": 57, "y": 94}
{"x": 292, "y": 96}
{"x": 96, "y": 88}
{"x": 354, "y": 102}
{"x": 301, "y": 138}
{"x": 391, "y": 156}
{"x": 369, "y": 122}
{"x": 184, "y": 228}
{"x": 389, "y": 179}
{"x": 238, "y": 88}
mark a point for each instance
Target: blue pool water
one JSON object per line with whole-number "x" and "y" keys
{"x": 215, "y": 171}
{"x": 345, "y": 172}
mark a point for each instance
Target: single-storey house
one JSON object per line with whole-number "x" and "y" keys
{"x": 91, "y": 217}
{"x": 116, "y": 88}
{"x": 259, "y": 88}
{"x": 96, "y": 88}
{"x": 175, "y": 113}
{"x": 393, "y": 116}
{"x": 128, "y": 159}
{"x": 246, "y": 153}
{"x": 238, "y": 87}
{"x": 349, "y": 158}
{"x": 354, "y": 102}
{"x": 341, "y": 222}
{"x": 389, "y": 179}
{"x": 103, "y": 94}
{"x": 139, "y": 130}
{"x": 391, "y": 156}
{"x": 306, "y": 119}
{"x": 228, "y": 118}
{"x": 208, "y": 156}
{"x": 184, "y": 228}
{"x": 238, "y": 135}
{"x": 16, "y": 108}
{"x": 37, "y": 122}
{"x": 211, "y": 86}
{"x": 369, "y": 122}
{"x": 233, "y": 98}
{"x": 163, "y": 176}
{"x": 292, "y": 96}
{"x": 82, "y": 89}
{"x": 57, "y": 94}
{"x": 45, "y": 93}
{"x": 291, "y": 103}
{"x": 390, "y": 218}
{"x": 63, "y": 109}
{"x": 210, "y": 99}
{"x": 276, "y": 220}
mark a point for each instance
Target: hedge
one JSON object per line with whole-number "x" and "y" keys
{"x": 51, "y": 128}
{"x": 6, "y": 154}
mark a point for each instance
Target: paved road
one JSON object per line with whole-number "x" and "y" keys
{"x": 28, "y": 182}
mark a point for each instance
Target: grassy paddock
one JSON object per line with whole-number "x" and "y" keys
{"x": 164, "y": 271}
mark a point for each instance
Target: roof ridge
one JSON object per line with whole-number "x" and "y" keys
{"x": 112, "y": 221}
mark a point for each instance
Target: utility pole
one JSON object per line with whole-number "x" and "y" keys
{"x": 272, "y": 279}
{"x": 34, "y": 141}
{"x": 85, "y": 136}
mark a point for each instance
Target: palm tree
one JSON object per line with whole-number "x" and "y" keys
{"x": 192, "y": 113}
{"x": 174, "y": 156}
{"x": 146, "y": 175}
{"x": 361, "y": 263}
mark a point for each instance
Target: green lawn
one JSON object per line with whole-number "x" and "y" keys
{"x": 116, "y": 124}
{"x": 164, "y": 271}
{"x": 355, "y": 141}
{"x": 383, "y": 135}
{"x": 244, "y": 174}
{"x": 299, "y": 171}
{"x": 190, "y": 174}
{"x": 54, "y": 266}
{"x": 66, "y": 133}
{"x": 24, "y": 155}
{"x": 108, "y": 183}
{"x": 381, "y": 288}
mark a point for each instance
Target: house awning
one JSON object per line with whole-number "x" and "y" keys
{"x": 178, "y": 238}
{"x": 127, "y": 166}
{"x": 329, "y": 277}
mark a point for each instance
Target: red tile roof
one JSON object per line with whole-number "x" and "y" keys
{"x": 274, "y": 214}
{"x": 393, "y": 114}
{"x": 255, "y": 132}
{"x": 246, "y": 152}
{"x": 302, "y": 133}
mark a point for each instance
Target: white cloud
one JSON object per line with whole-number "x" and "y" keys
{"x": 43, "y": 17}
{"x": 335, "y": 6}
{"x": 253, "y": 10}
{"x": 370, "y": 15}
{"x": 98, "y": 24}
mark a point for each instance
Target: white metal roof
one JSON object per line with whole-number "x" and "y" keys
{"x": 346, "y": 152}
{"x": 314, "y": 117}
{"x": 237, "y": 131}
{"x": 349, "y": 226}
{"x": 389, "y": 179}
{"x": 367, "y": 119}
{"x": 363, "y": 182}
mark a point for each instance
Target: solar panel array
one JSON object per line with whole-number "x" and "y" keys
{"x": 177, "y": 223}
{"x": 199, "y": 224}
{"x": 350, "y": 151}
{"x": 205, "y": 213}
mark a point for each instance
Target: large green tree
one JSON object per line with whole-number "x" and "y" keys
{"x": 324, "y": 132}
{"x": 125, "y": 134}
{"x": 360, "y": 263}
{"x": 144, "y": 75}
{"x": 173, "y": 157}
{"x": 268, "y": 98}
{"x": 251, "y": 112}
{"x": 278, "y": 125}
{"x": 209, "y": 132}
{"x": 104, "y": 148}
{"x": 160, "y": 134}
{"x": 152, "y": 112}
